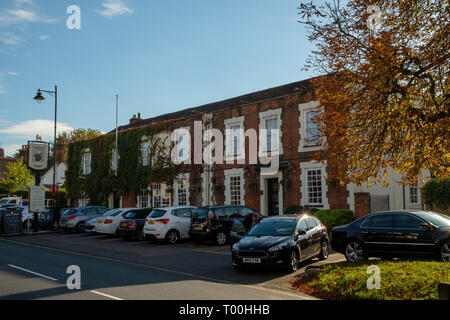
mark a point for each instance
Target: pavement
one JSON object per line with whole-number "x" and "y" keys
{"x": 34, "y": 267}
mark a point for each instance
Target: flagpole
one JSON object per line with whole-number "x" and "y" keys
{"x": 117, "y": 130}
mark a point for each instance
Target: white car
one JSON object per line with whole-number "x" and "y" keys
{"x": 109, "y": 222}
{"x": 169, "y": 223}
{"x": 27, "y": 218}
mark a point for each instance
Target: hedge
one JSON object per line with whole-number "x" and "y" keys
{"x": 437, "y": 192}
{"x": 334, "y": 218}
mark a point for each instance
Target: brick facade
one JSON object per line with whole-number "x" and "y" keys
{"x": 286, "y": 100}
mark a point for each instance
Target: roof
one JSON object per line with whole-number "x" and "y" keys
{"x": 287, "y": 89}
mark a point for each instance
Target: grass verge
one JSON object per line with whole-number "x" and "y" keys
{"x": 400, "y": 280}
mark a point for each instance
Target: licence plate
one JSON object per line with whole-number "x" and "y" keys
{"x": 99, "y": 221}
{"x": 124, "y": 224}
{"x": 198, "y": 228}
{"x": 151, "y": 222}
{"x": 251, "y": 260}
{"x": 63, "y": 224}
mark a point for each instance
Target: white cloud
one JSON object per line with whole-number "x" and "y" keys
{"x": 10, "y": 39}
{"x": 44, "y": 37}
{"x": 31, "y": 128}
{"x": 16, "y": 16}
{"x": 2, "y": 90}
{"x": 114, "y": 8}
{"x": 10, "y": 149}
{"x": 12, "y": 73}
{"x": 19, "y": 3}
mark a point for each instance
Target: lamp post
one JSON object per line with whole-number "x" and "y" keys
{"x": 39, "y": 98}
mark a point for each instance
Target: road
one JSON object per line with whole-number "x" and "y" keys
{"x": 34, "y": 267}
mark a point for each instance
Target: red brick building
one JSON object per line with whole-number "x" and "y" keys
{"x": 300, "y": 180}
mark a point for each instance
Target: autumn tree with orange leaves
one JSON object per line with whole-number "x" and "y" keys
{"x": 386, "y": 96}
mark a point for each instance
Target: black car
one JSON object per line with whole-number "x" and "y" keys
{"x": 132, "y": 225}
{"x": 214, "y": 223}
{"x": 394, "y": 234}
{"x": 282, "y": 241}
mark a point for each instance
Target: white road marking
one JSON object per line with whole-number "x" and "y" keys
{"x": 106, "y": 295}
{"x": 32, "y": 272}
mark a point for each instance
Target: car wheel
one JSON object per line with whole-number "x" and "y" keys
{"x": 323, "y": 250}
{"x": 80, "y": 227}
{"x": 172, "y": 236}
{"x": 140, "y": 236}
{"x": 353, "y": 251}
{"x": 221, "y": 238}
{"x": 445, "y": 252}
{"x": 293, "y": 262}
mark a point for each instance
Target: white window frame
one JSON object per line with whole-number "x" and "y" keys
{"x": 263, "y": 117}
{"x": 418, "y": 204}
{"x": 145, "y": 156}
{"x": 229, "y": 139}
{"x": 163, "y": 192}
{"x": 86, "y": 155}
{"x": 83, "y": 201}
{"x": 237, "y": 172}
{"x": 176, "y": 189}
{"x": 304, "y": 108}
{"x": 304, "y": 168}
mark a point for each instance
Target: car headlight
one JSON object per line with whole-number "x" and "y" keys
{"x": 276, "y": 248}
{"x": 235, "y": 247}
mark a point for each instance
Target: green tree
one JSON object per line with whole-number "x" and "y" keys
{"x": 17, "y": 177}
{"x": 77, "y": 135}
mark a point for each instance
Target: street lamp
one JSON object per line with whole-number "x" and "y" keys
{"x": 39, "y": 98}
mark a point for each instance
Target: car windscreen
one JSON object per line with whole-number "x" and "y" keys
{"x": 273, "y": 227}
{"x": 437, "y": 219}
{"x": 199, "y": 215}
{"x": 3, "y": 201}
{"x": 70, "y": 211}
{"x": 157, "y": 213}
{"x": 112, "y": 213}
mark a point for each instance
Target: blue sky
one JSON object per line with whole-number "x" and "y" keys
{"x": 159, "y": 55}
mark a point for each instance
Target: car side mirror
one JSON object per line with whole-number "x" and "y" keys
{"x": 425, "y": 226}
{"x": 301, "y": 232}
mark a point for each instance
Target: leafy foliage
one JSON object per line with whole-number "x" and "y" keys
{"x": 131, "y": 174}
{"x": 386, "y": 98}
{"x": 437, "y": 192}
{"x": 400, "y": 280}
{"x": 17, "y": 177}
{"x": 334, "y": 218}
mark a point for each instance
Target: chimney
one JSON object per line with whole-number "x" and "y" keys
{"x": 23, "y": 153}
{"x": 2, "y": 153}
{"x": 135, "y": 119}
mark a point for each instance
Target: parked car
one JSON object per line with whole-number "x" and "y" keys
{"x": 89, "y": 226}
{"x": 394, "y": 234}
{"x": 75, "y": 218}
{"x": 170, "y": 224}
{"x": 27, "y": 218}
{"x": 45, "y": 218}
{"x": 214, "y": 223}
{"x": 132, "y": 224}
{"x": 108, "y": 223}
{"x": 282, "y": 241}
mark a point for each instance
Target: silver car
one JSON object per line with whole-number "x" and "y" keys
{"x": 75, "y": 219}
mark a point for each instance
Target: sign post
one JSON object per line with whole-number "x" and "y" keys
{"x": 38, "y": 154}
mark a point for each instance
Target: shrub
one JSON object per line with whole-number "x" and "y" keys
{"x": 437, "y": 192}
{"x": 334, "y": 218}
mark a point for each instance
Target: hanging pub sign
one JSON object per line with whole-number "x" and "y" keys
{"x": 38, "y": 155}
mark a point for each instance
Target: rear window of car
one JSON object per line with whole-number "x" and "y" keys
{"x": 112, "y": 213}
{"x": 157, "y": 213}
{"x": 311, "y": 223}
{"x": 378, "y": 221}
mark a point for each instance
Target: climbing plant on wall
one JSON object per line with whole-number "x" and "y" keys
{"x": 131, "y": 173}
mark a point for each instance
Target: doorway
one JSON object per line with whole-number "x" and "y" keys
{"x": 273, "y": 203}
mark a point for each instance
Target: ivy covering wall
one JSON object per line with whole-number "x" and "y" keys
{"x": 131, "y": 174}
